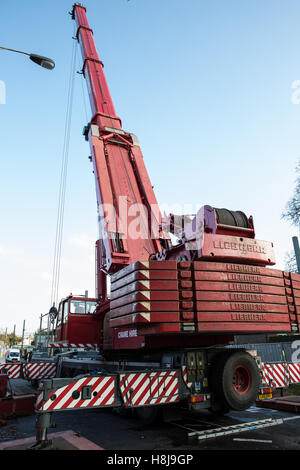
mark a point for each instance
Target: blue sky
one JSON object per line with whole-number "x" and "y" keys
{"x": 206, "y": 86}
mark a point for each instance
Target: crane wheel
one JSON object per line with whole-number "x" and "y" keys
{"x": 219, "y": 409}
{"x": 235, "y": 381}
{"x": 148, "y": 414}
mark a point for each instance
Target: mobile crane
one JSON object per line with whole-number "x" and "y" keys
{"x": 162, "y": 330}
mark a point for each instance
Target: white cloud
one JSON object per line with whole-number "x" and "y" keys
{"x": 82, "y": 240}
{"x": 46, "y": 276}
{"x": 3, "y": 251}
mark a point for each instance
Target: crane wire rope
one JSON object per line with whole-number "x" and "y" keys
{"x": 83, "y": 89}
{"x": 63, "y": 181}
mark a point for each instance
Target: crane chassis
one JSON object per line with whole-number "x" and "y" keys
{"x": 158, "y": 336}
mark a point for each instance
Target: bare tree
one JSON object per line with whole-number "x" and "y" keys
{"x": 292, "y": 211}
{"x": 290, "y": 262}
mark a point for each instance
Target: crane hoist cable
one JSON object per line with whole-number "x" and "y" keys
{"x": 83, "y": 89}
{"x": 63, "y": 183}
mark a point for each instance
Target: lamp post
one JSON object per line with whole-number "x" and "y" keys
{"x": 297, "y": 252}
{"x": 38, "y": 59}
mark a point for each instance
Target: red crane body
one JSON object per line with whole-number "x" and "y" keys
{"x": 213, "y": 284}
{"x": 122, "y": 182}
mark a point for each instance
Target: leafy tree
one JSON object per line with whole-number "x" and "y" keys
{"x": 3, "y": 337}
{"x": 9, "y": 339}
{"x": 13, "y": 339}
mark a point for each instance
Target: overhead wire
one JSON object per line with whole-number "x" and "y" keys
{"x": 63, "y": 183}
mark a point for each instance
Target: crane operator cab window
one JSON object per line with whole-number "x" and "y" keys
{"x": 82, "y": 307}
{"x": 62, "y": 314}
{"x": 59, "y": 317}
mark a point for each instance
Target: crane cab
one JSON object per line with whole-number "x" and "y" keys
{"x": 76, "y": 321}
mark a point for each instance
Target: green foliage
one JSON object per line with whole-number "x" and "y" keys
{"x": 294, "y": 389}
{"x": 9, "y": 339}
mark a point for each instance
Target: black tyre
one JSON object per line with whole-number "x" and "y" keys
{"x": 124, "y": 412}
{"x": 235, "y": 380}
{"x": 148, "y": 414}
{"x": 219, "y": 409}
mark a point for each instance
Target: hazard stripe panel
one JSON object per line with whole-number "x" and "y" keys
{"x": 150, "y": 388}
{"x": 276, "y": 375}
{"x": 70, "y": 396}
{"x": 39, "y": 370}
{"x": 294, "y": 370}
{"x": 13, "y": 370}
{"x": 73, "y": 345}
{"x": 185, "y": 377}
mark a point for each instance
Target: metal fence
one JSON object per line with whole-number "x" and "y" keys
{"x": 270, "y": 352}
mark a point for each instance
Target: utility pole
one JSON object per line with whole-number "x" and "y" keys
{"x": 297, "y": 252}
{"x": 40, "y": 334}
{"x": 14, "y": 335}
{"x": 23, "y": 334}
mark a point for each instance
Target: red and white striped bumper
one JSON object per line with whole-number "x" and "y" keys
{"x": 102, "y": 393}
{"x": 66, "y": 344}
{"x": 294, "y": 370}
{"x": 281, "y": 374}
{"x": 13, "y": 370}
{"x": 29, "y": 370}
{"x": 150, "y": 388}
{"x": 39, "y": 370}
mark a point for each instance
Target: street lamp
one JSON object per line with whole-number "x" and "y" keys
{"x": 38, "y": 59}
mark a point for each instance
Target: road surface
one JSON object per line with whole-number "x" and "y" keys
{"x": 111, "y": 431}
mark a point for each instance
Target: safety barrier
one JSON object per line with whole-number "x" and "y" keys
{"x": 280, "y": 375}
{"x": 276, "y": 375}
{"x": 29, "y": 370}
{"x": 12, "y": 370}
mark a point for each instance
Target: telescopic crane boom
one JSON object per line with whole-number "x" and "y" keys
{"x": 124, "y": 190}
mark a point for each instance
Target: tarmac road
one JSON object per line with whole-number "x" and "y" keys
{"x": 111, "y": 431}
